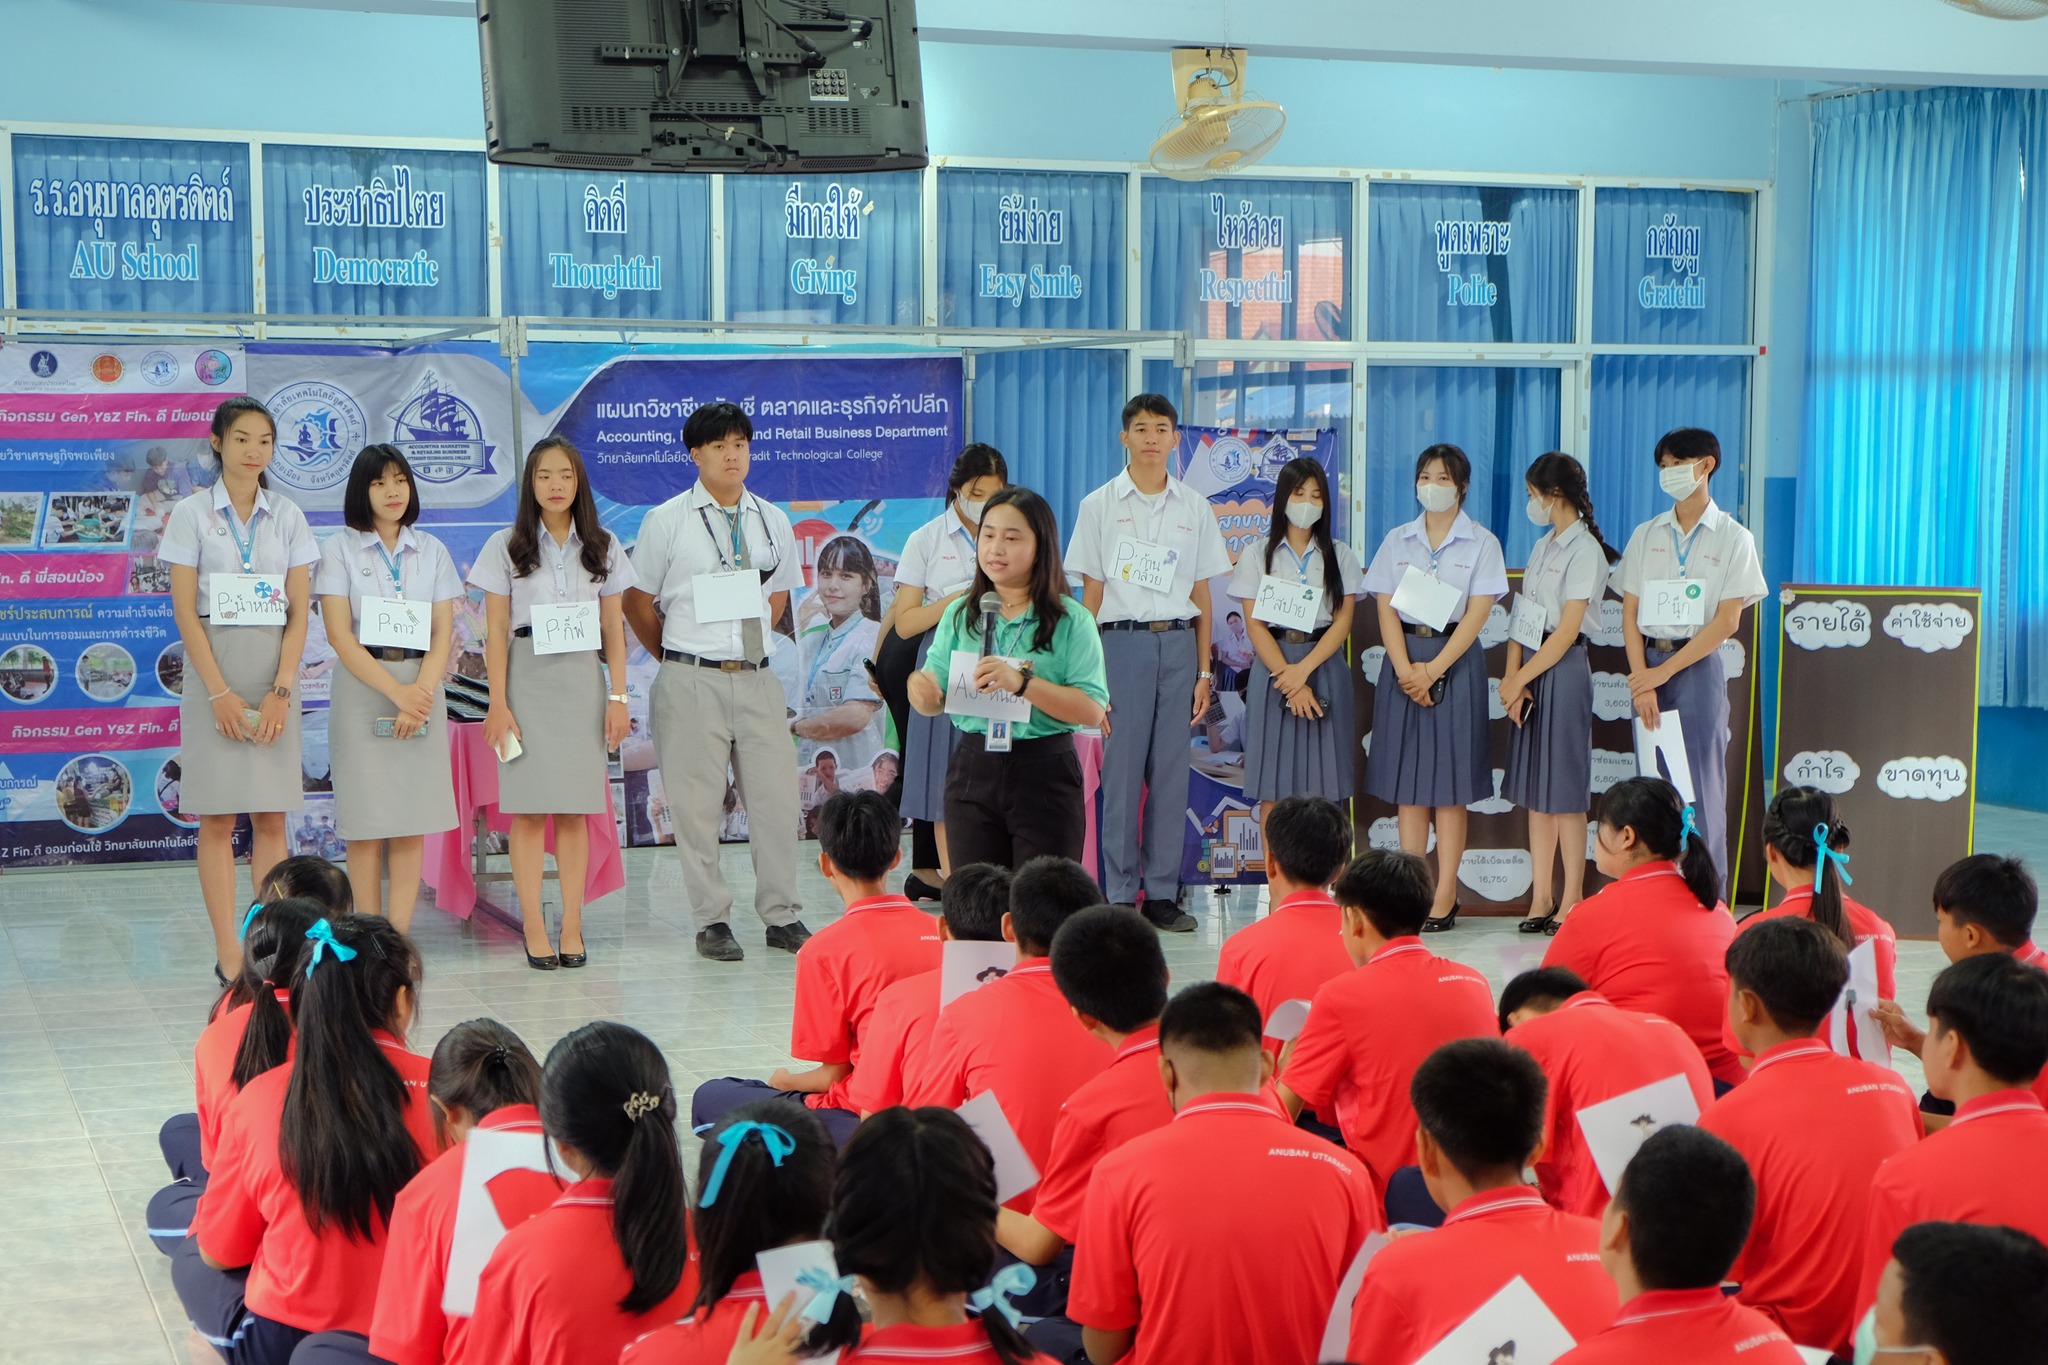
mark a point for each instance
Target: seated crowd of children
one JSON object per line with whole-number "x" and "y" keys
{"x": 1670, "y": 1142}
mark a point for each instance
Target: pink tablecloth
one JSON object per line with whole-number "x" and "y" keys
{"x": 450, "y": 863}
{"x": 1089, "y": 749}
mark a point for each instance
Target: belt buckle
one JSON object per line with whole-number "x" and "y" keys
{"x": 731, "y": 666}
{"x": 1161, "y": 627}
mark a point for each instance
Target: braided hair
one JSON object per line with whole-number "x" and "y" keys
{"x": 1558, "y": 475}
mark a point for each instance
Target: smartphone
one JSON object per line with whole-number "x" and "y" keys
{"x": 1438, "y": 688}
{"x": 253, "y": 719}
{"x": 386, "y": 727}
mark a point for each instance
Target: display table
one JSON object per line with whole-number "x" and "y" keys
{"x": 456, "y": 860}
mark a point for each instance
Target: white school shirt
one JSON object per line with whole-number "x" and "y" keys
{"x": 674, "y": 547}
{"x": 1721, "y": 553}
{"x": 1567, "y": 568}
{"x": 198, "y": 536}
{"x": 1183, "y": 521}
{"x": 1251, "y": 566}
{"x": 938, "y": 558}
{"x": 559, "y": 577}
{"x": 832, "y": 663}
{"x": 1469, "y": 560}
{"x": 352, "y": 566}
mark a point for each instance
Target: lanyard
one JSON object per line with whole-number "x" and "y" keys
{"x": 1683, "y": 552}
{"x": 735, "y": 521}
{"x": 1301, "y": 562}
{"x": 1007, "y": 646}
{"x": 392, "y": 566}
{"x": 834, "y": 639}
{"x": 247, "y": 550}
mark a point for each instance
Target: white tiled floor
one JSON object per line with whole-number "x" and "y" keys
{"x": 105, "y": 980}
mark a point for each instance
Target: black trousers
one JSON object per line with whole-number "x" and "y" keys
{"x": 895, "y": 661}
{"x": 1009, "y": 808}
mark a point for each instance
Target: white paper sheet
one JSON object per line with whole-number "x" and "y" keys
{"x": 780, "y": 1267}
{"x": 1851, "y": 1015}
{"x": 964, "y": 699}
{"x": 1337, "y": 1331}
{"x": 1288, "y": 1019}
{"x": 1667, "y": 739}
{"x": 966, "y": 965}
{"x": 1615, "y": 1129}
{"x": 1427, "y": 599}
{"x": 486, "y": 1154}
{"x": 1014, "y": 1171}
{"x": 1514, "y": 1327}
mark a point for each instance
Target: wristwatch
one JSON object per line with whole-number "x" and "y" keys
{"x": 618, "y": 697}
{"x": 1025, "y": 676}
{"x": 281, "y": 693}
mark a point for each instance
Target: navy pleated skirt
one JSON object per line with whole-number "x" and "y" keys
{"x": 1289, "y": 755}
{"x": 927, "y": 751}
{"x": 1432, "y": 755}
{"x": 1550, "y": 755}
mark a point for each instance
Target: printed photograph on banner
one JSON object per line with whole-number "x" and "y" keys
{"x": 19, "y": 515}
{"x": 169, "y": 780}
{"x": 170, "y": 668}
{"x": 310, "y": 831}
{"x": 94, "y": 792}
{"x": 27, "y": 674}
{"x": 106, "y": 672}
{"x": 838, "y": 627}
{"x": 88, "y": 520}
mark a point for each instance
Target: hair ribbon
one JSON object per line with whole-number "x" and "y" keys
{"x": 1688, "y": 829}
{"x": 825, "y": 1289}
{"x": 255, "y": 908}
{"x": 777, "y": 1140}
{"x": 1009, "y": 1282}
{"x": 321, "y": 936}
{"x": 1840, "y": 860}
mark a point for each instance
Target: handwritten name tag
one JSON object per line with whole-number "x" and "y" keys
{"x": 394, "y": 623}
{"x": 1669, "y": 604}
{"x": 247, "y": 599}
{"x": 1143, "y": 564}
{"x": 1283, "y": 602}
{"x": 565, "y": 627}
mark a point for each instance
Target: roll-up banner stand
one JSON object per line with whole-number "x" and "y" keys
{"x": 1877, "y": 704}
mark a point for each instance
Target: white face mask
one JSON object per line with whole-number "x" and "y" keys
{"x": 1539, "y": 512}
{"x": 1678, "y": 480}
{"x": 1304, "y": 513}
{"x": 1436, "y": 497}
{"x": 972, "y": 510}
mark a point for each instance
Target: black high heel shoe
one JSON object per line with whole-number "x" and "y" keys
{"x": 1441, "y": 924}
{"x": 1540, "y": 924}
{"x": 543, "y": 964}
{"x": 574, "y": 960}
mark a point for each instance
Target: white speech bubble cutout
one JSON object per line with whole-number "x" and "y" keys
{"x": 1828, "y": 625}
{"x": 1929, "y": 626}
{"x": 1924, "y": 779}
{"x": 1370, "y": 661}
{"x": 1607, "y": 627}
{"x": 1831, "y": 770}
{"x": 1592, "y": 841}
{"x": 1611, "y": 697}
{"x": 1495, "y": 804}
{"x": 1384, "y": 834}
{"x": 1498, "y": 623}
{"x": 1610, "y": 767}
{"x": 1499, "y": 874}
{"x": 1734, "y": 658}
{"x": 1494, "y": 710}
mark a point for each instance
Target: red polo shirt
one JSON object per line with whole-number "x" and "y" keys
{"x": 2034, "y": 957}
{"x": 893, "y": 1050}
{"x": 1420, "y": 1287}
{"x": 1288, "y": 955}
{"x": 842, "y": 971}
{"x": 1126, "y": 1101}
{"x": 1865, "y": 926}
{"x": 1646, "y": 944}
{"x": 1019, "y": 1038}
{"x": 1590, "y": 1051}
{"x": 1220, "y": 1237}
{"x": 550, "y": 1295}
{"x": 706, "y": 1336}
{"x": 213, "y": 1074}
{"x": 250, "y": 1213}
{"x": 409, "y": 1327}
{"x": 1695, "y": 1326}
{"x": 905, "y": 1344}
{"x": 1814, "y": 1128}
{"x": 1984, "y": 1167}
{"x": 1367, "y": 1032}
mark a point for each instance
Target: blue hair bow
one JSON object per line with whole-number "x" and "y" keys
{"x": 1688, "y": 829}
{"x": 255, "y": 908}
{"x": 825, "y": 1290}
{"x": 1841, "y": 860}
{"x": 777, "y": 1140}
{"x": 1009, "y": 1282}
{"x": 321, "y": 936}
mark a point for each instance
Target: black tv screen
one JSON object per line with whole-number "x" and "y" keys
{"x": 703, "y": 85}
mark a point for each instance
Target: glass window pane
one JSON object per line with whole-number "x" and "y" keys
{"x": 1253, "y": 260}
{"x": 1272, "y": 395}
{"x": 1671, "y": 266}
{"x": 822, "y": 248}
{"x": 1031, "y": 249}
{"x": 1472, "y": 263}
{"x": 580, "y": 244}
{"x": 1636, "y": 399}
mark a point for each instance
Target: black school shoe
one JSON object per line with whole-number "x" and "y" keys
{"x": 1167, "y": 917}
{"x": 788, "y": 937}
{"x": 717, "y": 943}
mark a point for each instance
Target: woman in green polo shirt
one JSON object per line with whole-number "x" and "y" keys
{"x": 1013, "y": 788}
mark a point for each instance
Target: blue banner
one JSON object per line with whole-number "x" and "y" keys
{"x": 589, "y": 245}
{"x": 1031, "y": 249}
{"x": 132, "y": 225}
{"x": 818, "y": 248}
{"x": 374, "y": 232}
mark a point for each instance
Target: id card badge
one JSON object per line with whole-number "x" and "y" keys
{"x": 733, "y": 595}
{"x": 564, "y": 627}
{"x": 1527, "y": 628}
{"x": 1428, "y": 600}
{"x": 1672, "y": 604}
{"x": 247, "y": 599}
{"x": 1288, "y": 604}
{"x": 998, "y": 737}
{"x": 1142, "y": 564}
{"x": 394, "y": 623}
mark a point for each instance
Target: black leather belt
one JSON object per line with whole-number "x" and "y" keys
{"x": 522, "y": 632}
{"x": 1422, "y": 632}
{"x": 391, "y": 655}
{"x": 677, "y": 656}
{"x": 1301, "y": 637}
{"x": 1156, "y": 627}
{"x": 1668, "y": 646}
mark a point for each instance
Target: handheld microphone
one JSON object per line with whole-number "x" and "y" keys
{"x": 991, "y": 603}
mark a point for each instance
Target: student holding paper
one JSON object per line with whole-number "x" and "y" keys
{"x": 1016, "y": 683}
{"x": 1298, "y": 585}
{"x": 1685, "y": 578}
{"x": 553, "y": 585}
{"x": 1299, "y": 946}
{"x": 387, "y": 598}
{"x": 1435, "y": 579}
{"x": 1814, "y": 1127}
{"x": 240, "y": 558}
{"x": 1548, "y": 687}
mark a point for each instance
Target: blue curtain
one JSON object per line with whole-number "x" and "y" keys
{"x": 789, "y": 263}
{"x": 1053, "y": 413}
{"x": 1533, "y": 279}
{"x": 1636, "y": 399}
{"x": 2018, "y": 674}
{"x": 1917, "y": 357}
{"x": 1004, "y": 221}
{"x": 1501, "y": 418}
{"x": 616, "y": 231}
{"x": 1708, "y": 256}
{"x": 1299, "y": 290}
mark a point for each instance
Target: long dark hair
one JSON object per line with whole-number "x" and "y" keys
{"x": 224, "y": 418}
{"x": 1048, "y": 578}
{"x": 480, "y": 1066}
{"x": 1293, "y": 475}
{"x": 306, "y": 876}
{"x": 344, "y": 1144}
{"x": 915, "y": 1203}
{"x": 523, "y": 546}
{"x": 1457, "y": 464}
{"x": 1788, "y": 827}
{"x": 271, "y": 958}
{"x": 1653, "y": 808}
{"x": 850, "y": 554}
{"x": 1560, "y": 476}
{"x": 974, "y": 461}
{"x": 605, "y": 1091}
{"x": 761, "y": 1202}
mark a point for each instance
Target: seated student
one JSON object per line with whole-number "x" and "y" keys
{"x": 1961, "y": 1295}
{"x": 972, "y": 903}
{"x": 1299, "y": 945}
{"x": 1480, "y": 1107}
{"x": 1653, "y": 940}
{"x": 606, "y": 1263}
{"x": 1589, "y": 1051}
{"x": 1813, "y": 1126}
{"x": 1982, "y": 904}
{"x": 1675, "y": 1226}
{"x": 881, "y": 939}
{"x": 1987, "y": 1042}
{"x": 1018, "y": 1036}
{"x": 291, "y": 1231}
{"x": 1369, "y": 1029}
{"x": 1221, "y": 1236}
{"x": 764, "y": 1180}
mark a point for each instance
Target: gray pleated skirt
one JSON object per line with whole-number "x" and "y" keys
{"x": 1550, "y": 754}
{"x": 223, "y": 776}
{"x": 927, "y": 753}
{"x": 387, "y": 788}
{"x": 1432, "y": 755}
{"x": 558, "y": 701}
{"x": 1287, "y": 755}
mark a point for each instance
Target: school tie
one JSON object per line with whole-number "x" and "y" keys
{"x": 752, "y": 642}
